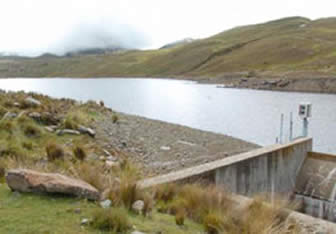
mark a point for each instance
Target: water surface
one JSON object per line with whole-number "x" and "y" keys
{"x": 251, "y": 115}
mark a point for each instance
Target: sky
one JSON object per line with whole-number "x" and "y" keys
{"x": 33, "y": 27}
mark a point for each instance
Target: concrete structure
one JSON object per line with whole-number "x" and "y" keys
{"x": 316, "y": 186}
{"x": 272, "y": 169}
{"x": 269, "y": 169}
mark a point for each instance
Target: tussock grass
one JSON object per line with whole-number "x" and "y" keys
{"x": 79, "y": 152}
{"x": 54, "y": 152}
{"x": 113, "y": 220}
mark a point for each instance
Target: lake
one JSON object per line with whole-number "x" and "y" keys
{"x": 251, "y": 115}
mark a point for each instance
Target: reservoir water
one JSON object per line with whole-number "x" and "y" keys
{"x": 251, "y": 115}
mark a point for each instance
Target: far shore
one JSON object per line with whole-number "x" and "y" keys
{"x": 325, "y": 85}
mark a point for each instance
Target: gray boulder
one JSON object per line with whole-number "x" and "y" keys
{"x": 30, "y": 181}
{"x": 32, "y": 101}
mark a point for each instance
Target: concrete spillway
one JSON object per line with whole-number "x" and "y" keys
{"x": 316, "y": 186}
{"x": 289, "y": 169}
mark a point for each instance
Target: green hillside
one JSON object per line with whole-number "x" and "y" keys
{"x": 292, "y": 47}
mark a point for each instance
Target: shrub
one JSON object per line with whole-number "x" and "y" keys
{"x": 213, "y": 223}
{"x": 70, "y": 123}
{"x": 113, "y": 219}
{"x": 128, "y": 193}
{"x": 7, "y": 125}
{"x": 179, "y": 217}
{"x": 115, "y": 118}
{"x": 3, "y": 111}
{"x": 2, "y": 172}
{"x": 90, "y": 173}
{"x": 28, "y": 145}
{"x": 166, "y": 192}
{"x": 30, "y": 130}
{"x": 54, "y": 152}
{"x": 79, "y": 152}
{"x": 12, "y": 149}
{"x": 148, "y": 204}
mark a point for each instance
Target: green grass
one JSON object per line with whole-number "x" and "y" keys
{"x": 270, "y": 48}
{"x": 40, "y": 214}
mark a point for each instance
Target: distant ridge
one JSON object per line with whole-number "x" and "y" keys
{"x": 294, "y": 47}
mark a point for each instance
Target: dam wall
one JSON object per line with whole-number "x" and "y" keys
{"x": 271, "y": 169}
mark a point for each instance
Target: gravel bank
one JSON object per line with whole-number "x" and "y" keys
{"x": 163, "y": 147}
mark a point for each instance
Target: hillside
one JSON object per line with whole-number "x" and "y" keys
{"x": 292, "y": 47}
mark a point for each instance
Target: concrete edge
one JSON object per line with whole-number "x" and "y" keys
{"x": 211, "y": 166}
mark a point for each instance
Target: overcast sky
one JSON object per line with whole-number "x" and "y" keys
{"x": 32, "y": 27}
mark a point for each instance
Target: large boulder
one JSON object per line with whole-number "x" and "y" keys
{"x": 32, "y": 181}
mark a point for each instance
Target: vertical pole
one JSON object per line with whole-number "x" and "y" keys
{"x": 305, "y": 127}
{"x": 281, "y": 128}
{"x": 291, "y": 127}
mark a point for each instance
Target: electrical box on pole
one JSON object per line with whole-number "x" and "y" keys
{"x": 305, "y": 112}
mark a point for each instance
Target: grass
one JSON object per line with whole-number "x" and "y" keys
{"x": 275, "y": 48}
{"x": 29, "y": 213}
{"x": 111, "y": 219}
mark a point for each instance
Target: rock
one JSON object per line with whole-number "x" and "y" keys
{"x": 86, "y": 130}
{"x": 22, "y": 180}
{"x": 77, "y": 211}
{"x": 138, "y": 206}
{"x": 137, "y": 232}
{"x": 67, "y": 131}
{"x": 107, "y": 153}
{"x": 35, "y": 116}
{"x": 111, "y": 164}
{"x": 106, "y": 204}
{"x": 9, "y": 115}
{"x": 32, "y": 101}
{"x": 165, "y": 148}
{"x": 16, "y": 104}
{"x": 84, "y": 221}
{"x": 111, "y": 158}
{"x": 49, "y": 129}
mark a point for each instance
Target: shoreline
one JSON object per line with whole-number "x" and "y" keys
{"x": 309, "y": 85}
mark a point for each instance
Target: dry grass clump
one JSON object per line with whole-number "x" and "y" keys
{"x": 92, "y": 174}
{"x": 214, "y": 209}
{"x": 79, "y": 152}
{"x": 13, "y": 149}
{"x": 31, "y": 130}
{"x": 113, "y": 220}
{"x": 7, "y": 125}
{"x": 54, "y": 152}
{"x": 115, "y": 118}
{"x": 3, "y": 111}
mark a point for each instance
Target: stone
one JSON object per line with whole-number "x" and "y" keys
{"x": 30, "y": 181}
{"x": 32, "y": 101}
{"x": 84, "y": 221}
{"x": 16, "y": 104}
{"x": 106, "y": 204}
{"x": 9, "y": 115}
{"x": 67, "y": 131}
{"x": 49, "y": 129}
{"x": 107, "y": 153}
{"x": 138, "y": 206}
{"x": 86, "y": 130}
{"x": 111, "y": 164}
{"x": 165, "y": 148}
{"x": 111, "y": 158}
{"x": 137, "y": 232}
{"x": 34, "y": 115}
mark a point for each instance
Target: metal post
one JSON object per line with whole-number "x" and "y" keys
{"x": 305, "y": 127}
{"x": 291, "y": 127}
{"x": 281, "y": 128}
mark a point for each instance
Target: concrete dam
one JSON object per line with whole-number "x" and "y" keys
{"x": 291, "y": 170}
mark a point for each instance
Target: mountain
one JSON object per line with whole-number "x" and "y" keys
{"x": 293, "y": 47}
{"x": 178, "y": 43}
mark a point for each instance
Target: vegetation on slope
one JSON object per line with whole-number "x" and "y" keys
{"x": 292, "y": 47}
